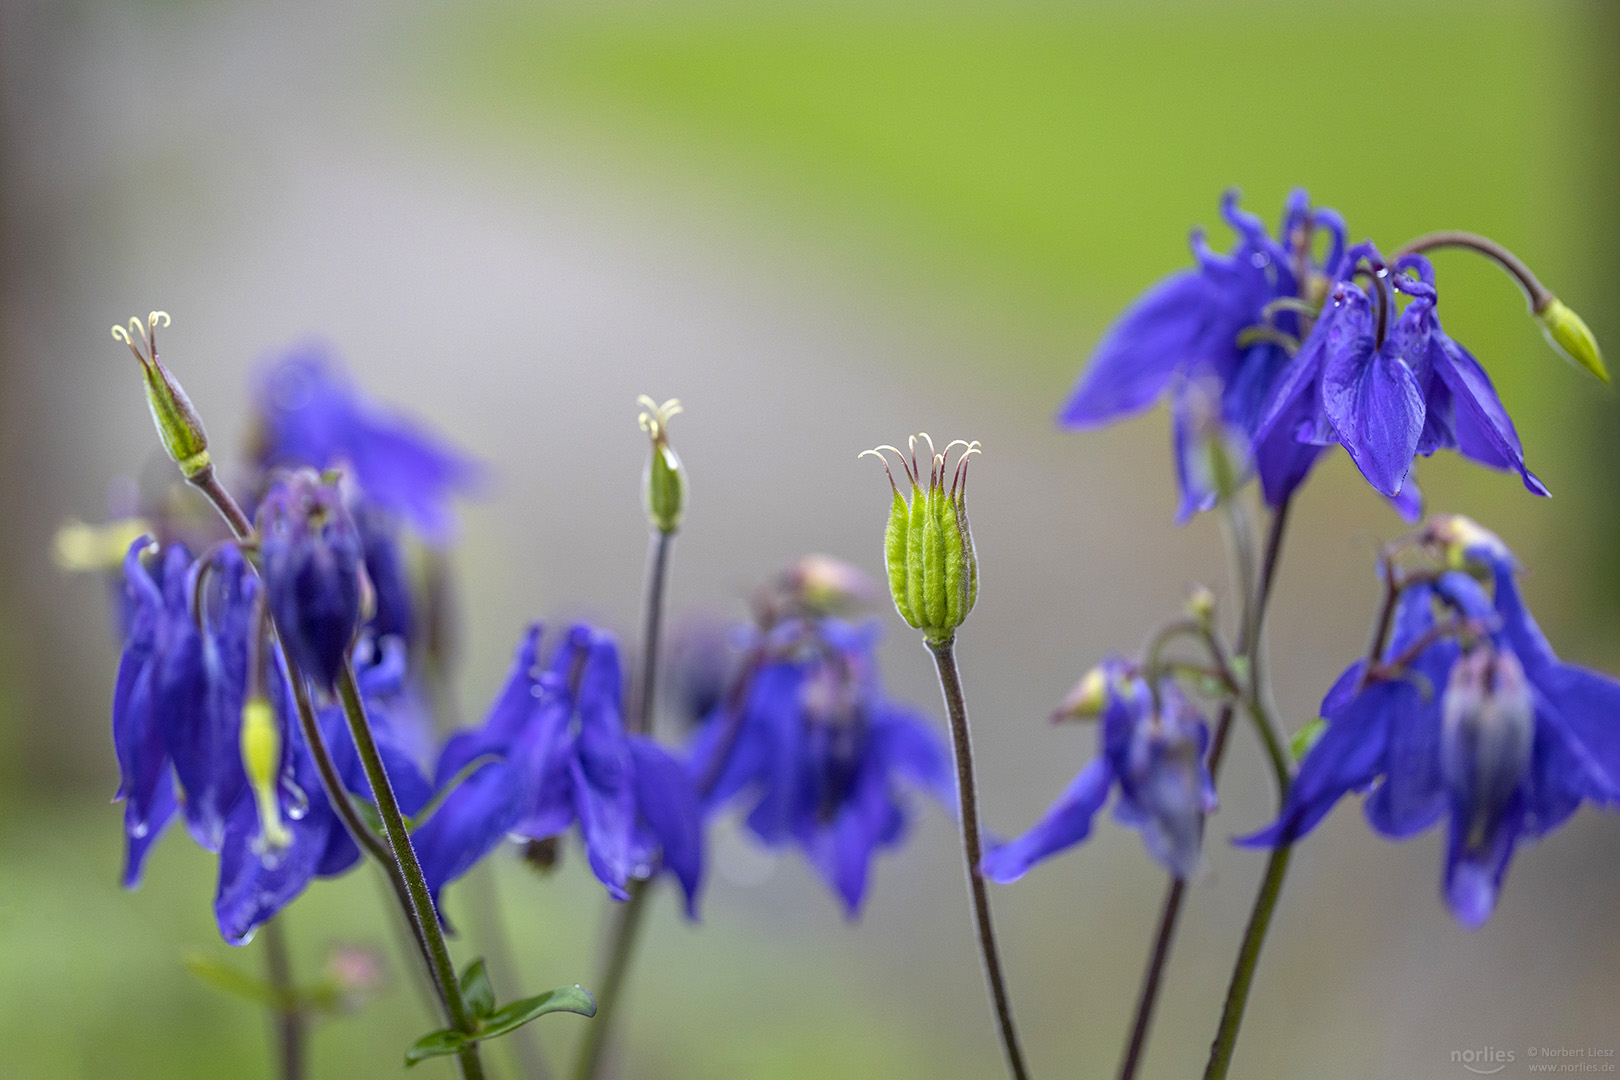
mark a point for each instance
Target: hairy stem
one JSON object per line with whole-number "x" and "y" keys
{"x": 651, "y": 627}
{"x": 1250, "y": 624}
{"x": 950, "y": 684}
{"x": 289, "y": 1014}
{"x": 421, "y": 901}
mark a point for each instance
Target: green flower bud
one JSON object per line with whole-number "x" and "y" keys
{"x": 1568, "y": 333}
{"x": 927, "y": 546}
{"x": 1464, "y": 544}
{"x": 664, "y": 483}
{"x": 1086, "y": 700}
{"x": 178, "y": 424}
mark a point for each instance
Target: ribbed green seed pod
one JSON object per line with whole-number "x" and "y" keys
{"x": 928, "y": 548}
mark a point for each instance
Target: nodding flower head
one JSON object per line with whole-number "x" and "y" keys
{"x": 928, "y": 547}
{"x": 1462, "y": 543}
{"x": 664, "y": 485}
{"x": 178, "y": 424}
{"x": 312, "y": 571}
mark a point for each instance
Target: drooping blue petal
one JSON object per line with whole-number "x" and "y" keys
{"x": 1484, "y": 431}
{"x": 254, "y": 885}
{"x": 469, "y": 824}
{"x": 908, "y": 745}
{"x": 604, "y": 795}
{"x": 1065, "y": 823}
{"x": 312, "y": 560}
{"x": 1373, "y": 401}
{"x": 140, "y": 836}
{"x": 668, "y": 804}
{"x": 1475, "y": 865}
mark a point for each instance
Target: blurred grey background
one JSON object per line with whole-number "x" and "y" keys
{"x": 822, "y": 225}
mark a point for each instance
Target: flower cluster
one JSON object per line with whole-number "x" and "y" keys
{"x": 1466, "y": 714}
{"x": 805, "y": 741}
{"x": 1282, "y": 348}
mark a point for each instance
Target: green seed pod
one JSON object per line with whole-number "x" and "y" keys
{"x": 664, "y": 483}
{"x": 177, "y": 422}
{"x": 927, "y": 544}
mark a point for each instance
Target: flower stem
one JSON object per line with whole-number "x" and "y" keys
{"x": 627, "y": 917}
{"x": 627, "y": 920}
{"x": 950, "y": 684}
{"x": 652, "y": 624}
{"x": 1237, "y": 993}
{"x": 289, "y": 1014}
{"x": 1534, "y": 291}
{"x": 421, "y": 901}
{"x": 1250, "y": 625}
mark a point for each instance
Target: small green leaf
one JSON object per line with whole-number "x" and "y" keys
{"x": 511, "y": 1017}
{"x": 476, "y": 991}
{"x": 1305, "y": 738}
{"x": 228, "y": 980}
{"x": 438, "y": 1044}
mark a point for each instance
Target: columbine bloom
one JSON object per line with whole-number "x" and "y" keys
{"x": 312, "y": 560}
{"x": 1226, "y": 323}
{"x": 1155, "y": 757}
{"x": 808, "y": 743}
{"x": 178, "y": 712}
{"x": 1387, "y": 387}
{"x": 310, "y": 414}
{"x": 552, "y": 753}
{"x": 1484, "y": 725}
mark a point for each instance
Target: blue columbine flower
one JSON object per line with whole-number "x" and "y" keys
{"x": 310, "y": 414}
{"x": 808, "y": 743}
{"x": 312, "y": 563}
{"x": 1197, "y": 328}
{"x": 553, "y": 752}
{"x": 1156, "y": 758}
{"x": 1389, "y": 387}
{"x": 1478, "y": 721}
{"x": 177, "y": 717}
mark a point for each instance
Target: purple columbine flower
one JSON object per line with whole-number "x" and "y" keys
{"x": 1485, "y": 726}
{"x": 809, "y": 744}
{"x": 1196, "y": 329}
{"x": 312, "y": 565}
{"x": 553, "y": 753}
{"x": 1156, "y": 757}
{"x": 1388, "y": 386}
{"x": 311, "y": 415}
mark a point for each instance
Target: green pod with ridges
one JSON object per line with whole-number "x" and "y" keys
{"x": 894, "y": 557}
{"x": 968, "y": 557}
{"x": 933, "y": 560}
{"x": 915, "y": 564}
{"x": 955, "y": 578}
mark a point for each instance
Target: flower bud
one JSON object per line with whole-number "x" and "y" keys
{"x": 312, "y": 572}
{"x": 178, "y": 424}
{"x": 261, "y": 760}
{"x": 1201, "y": 605}
{"x": 1086, "y": 700}
{"x": 823, "y": 585}
{"x": 1568, "y": 333}
{"x": 927, "y": 546}
{"x": 1487, "y": 729}
{"x": 1464, "y": 544}
{"x": 664, "y": 483}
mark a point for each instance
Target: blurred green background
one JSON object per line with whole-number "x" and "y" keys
{"x": 822, "y": 225}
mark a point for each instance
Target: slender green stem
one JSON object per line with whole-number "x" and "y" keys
{"x": 1254, "y": 936}
{"x": 652, "y": 625}
{"x": 399, "y": 839}
{"x": 289, "y": 1013}
{"x": 627, "y": 917}
{"x": 950, "y": 684}
{"x": 489, "y": 930}
{"x": 1251, "y": 621}
{"x": 627, "y": 921}
{"x": 1538, "y": 294}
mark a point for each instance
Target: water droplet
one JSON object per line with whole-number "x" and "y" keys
{"x": 1260, "y": 259}
{"x": 297, "y": 800}
{"x": 139, "y": 830}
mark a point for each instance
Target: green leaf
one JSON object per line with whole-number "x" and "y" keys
{"x": 1305, "y": 738}
{"x": 511, "y": 1017}
{"x": 229, "y": 980}
{"x": 438, "y": 1044}
{"x": 476, "y": 991}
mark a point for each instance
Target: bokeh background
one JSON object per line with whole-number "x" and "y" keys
{"x": 823, "y": 225}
